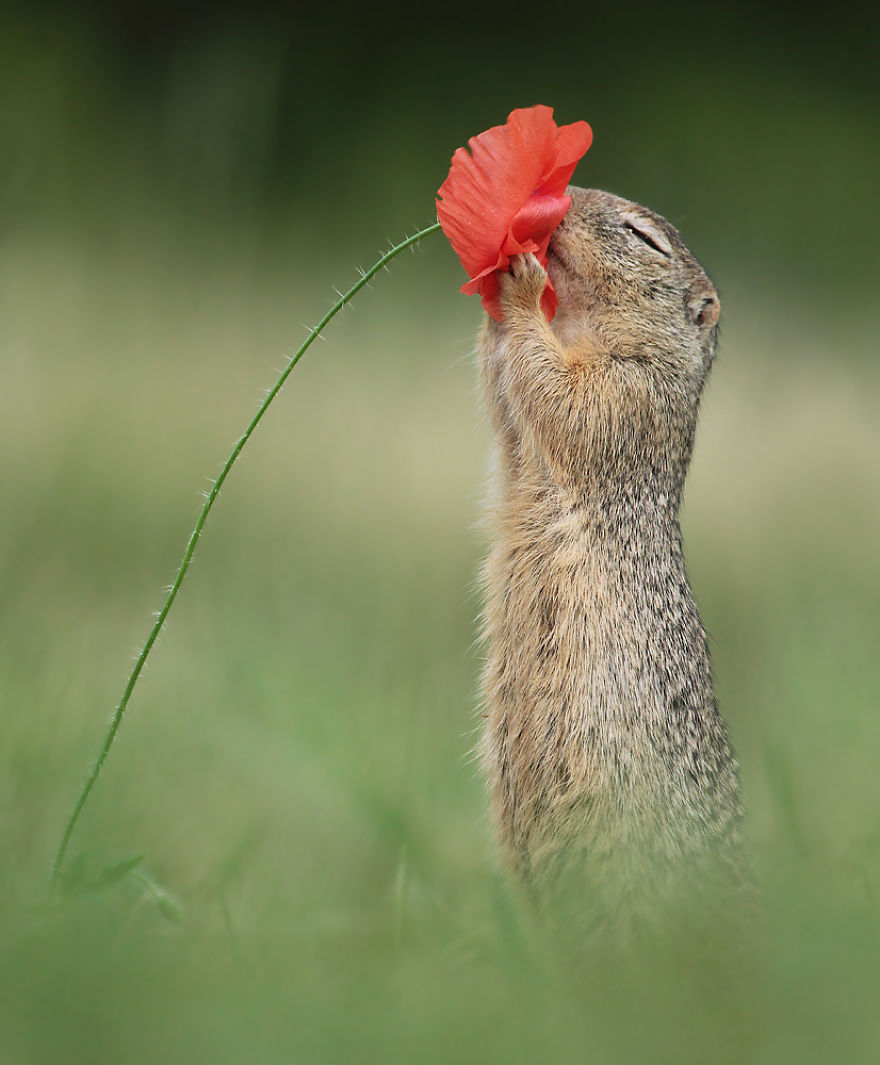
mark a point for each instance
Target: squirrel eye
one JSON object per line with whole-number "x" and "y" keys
{"x": 648, "y": 234}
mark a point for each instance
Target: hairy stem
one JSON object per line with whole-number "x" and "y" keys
{"x": 197, "y": 532}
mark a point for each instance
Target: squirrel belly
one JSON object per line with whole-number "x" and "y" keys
{"x": 608, "y": 763}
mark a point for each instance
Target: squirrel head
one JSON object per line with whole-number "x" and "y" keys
{"x": 627, "y": 285}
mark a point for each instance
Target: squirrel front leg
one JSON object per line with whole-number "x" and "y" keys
{"x": 522, "y": 314}
{"x": 542, "y": 381}
{"x": 563, "y": 400}
{"x": 492, "y": 380}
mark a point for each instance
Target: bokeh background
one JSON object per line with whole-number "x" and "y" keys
{"x": 181, "y": 191}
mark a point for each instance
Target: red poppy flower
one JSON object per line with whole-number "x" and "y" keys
{"x": 507, "y": 196}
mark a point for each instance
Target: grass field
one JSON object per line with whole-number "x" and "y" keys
{"x": 296, "y": 763}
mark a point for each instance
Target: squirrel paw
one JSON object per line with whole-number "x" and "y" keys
{"x": 522, "y": 288}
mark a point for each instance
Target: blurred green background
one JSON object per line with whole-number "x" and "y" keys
{"x": 181, "y": 190}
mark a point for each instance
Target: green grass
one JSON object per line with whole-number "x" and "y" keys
{"x": 296, "y": 761}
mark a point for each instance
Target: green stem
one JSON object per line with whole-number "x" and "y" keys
{"x": 197, "y": 532}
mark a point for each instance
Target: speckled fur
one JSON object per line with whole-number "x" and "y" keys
{"x": 609, "y": 765}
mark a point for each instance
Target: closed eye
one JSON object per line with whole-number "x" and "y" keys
{"x": 650, "y": 236}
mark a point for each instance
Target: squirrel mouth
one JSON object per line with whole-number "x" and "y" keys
{"x": 553, "y": 252}
{"x": 556, "y": 263}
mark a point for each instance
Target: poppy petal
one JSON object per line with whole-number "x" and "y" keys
{"x": 549, "y": 301}
{"x": 506, "y": 194}
{"x": 538, "y": 217}
{"x": 572, "y": 144}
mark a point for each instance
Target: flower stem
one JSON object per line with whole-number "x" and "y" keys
{"x": 118, "y": 713}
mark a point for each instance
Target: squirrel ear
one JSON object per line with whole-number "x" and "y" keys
{"x": 704, "y": 307}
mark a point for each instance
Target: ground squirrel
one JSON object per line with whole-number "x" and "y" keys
{"x": 609, "y": 765}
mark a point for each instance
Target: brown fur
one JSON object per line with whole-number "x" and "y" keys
{"x": 609, "y": 765}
